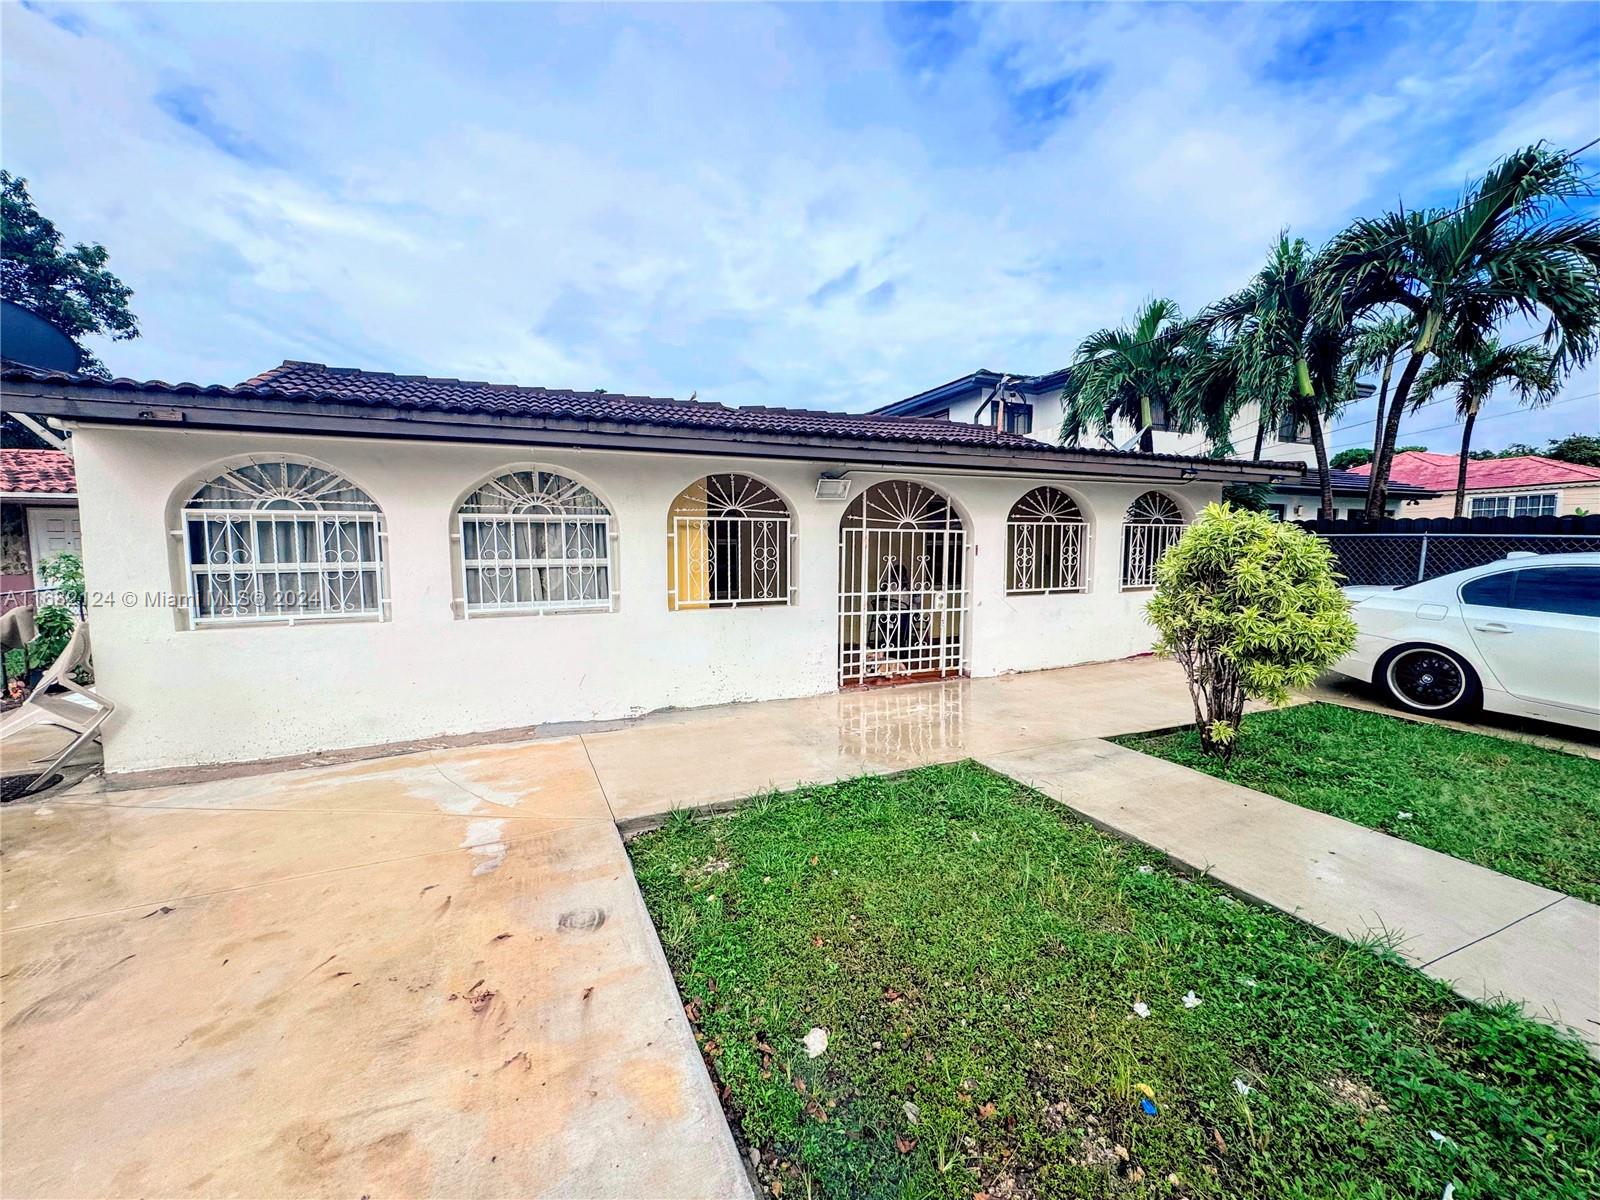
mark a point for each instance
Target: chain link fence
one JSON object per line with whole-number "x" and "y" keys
{"x": 1396, "y": 559}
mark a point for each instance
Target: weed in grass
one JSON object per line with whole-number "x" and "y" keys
{"x": 988, "y": 984}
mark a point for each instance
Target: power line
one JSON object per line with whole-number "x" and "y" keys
{"x": 1494, "y": 416}
{"x": 1343, "y": 426}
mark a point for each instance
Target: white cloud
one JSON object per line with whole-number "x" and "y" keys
{"x": 647, "y": 199}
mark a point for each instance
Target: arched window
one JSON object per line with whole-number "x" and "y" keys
{"x": 535, "y": 541}
{"x": 730, "y": 542}
{"x": 283, "y": 541}
{"x": 1152, "y": 526}
{"x": 1047, "y": 539}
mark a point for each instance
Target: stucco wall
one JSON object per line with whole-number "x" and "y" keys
{"x": 189, "y": 697}
{"x": 1048, "y": 412}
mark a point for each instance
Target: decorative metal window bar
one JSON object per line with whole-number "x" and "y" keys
{"x": 730, "y": 544}
{"x": 281, "y": 541}
{"x": 727, "y": 562}
{"x": 533, "y": 541}
{"x": 1153, "y": 525}
{"x": 284, "y": 566}
{"x": 1046, "y": 540}
{"x": 528, "y": 563}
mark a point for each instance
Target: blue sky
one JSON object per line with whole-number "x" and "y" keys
{"x": 821, "y": 206}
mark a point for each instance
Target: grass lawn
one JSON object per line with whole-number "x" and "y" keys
{"x": 975, "y": 955}
{"x": 1516, "y": 808}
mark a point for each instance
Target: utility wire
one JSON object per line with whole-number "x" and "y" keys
{"x": 1343, "y": 426}
{"x": 1565, "y": 400}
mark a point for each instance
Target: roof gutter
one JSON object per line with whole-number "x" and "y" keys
{"x": 92, "y": 405}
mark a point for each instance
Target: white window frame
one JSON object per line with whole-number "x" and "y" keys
{"x": 1521, "y": 500}
{"x": 1152, "y": 525}
{"x": 1048, "y": 542}
{"x": 737, "y": 510}
{"x": 321, "y": 510}
{"x": 528, "y": 507}
{"x": 1503, "y": 503}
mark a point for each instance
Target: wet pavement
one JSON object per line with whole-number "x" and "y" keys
{"x": 432, "y": 973}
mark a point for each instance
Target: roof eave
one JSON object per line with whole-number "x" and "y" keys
{"x": 266, "y": 414}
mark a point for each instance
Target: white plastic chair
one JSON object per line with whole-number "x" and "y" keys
{"x": 43, "y": 709}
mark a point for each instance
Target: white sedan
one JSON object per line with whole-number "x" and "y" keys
{"x": 1518, "y": 636}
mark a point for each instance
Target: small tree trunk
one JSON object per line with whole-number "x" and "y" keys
{"x": 1383, "y": 400}
{"x": 1461, "y": 466}
{"x": 1378, "y": 486}
{"x": 1320, "y": 445}
{"x": 1261, "y": 436}
{"x": 1147, "y": 440}
{"x": 1217, "y": 693}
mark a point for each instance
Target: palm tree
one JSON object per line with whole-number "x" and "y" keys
{"x": 1122, "y": 374}
{"x": 1500, "y": 252}
{"x": 1289, "y": 347}
{"x": 1374, "y": 346}
{"x": 1218, "y": 382}
{"x": 1475, "y": 373}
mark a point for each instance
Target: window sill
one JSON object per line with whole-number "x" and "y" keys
{"x": 494, "y": 614}
{"x": 197, "y": 624}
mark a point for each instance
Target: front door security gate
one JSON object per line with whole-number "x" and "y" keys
{"x": 902, "y": 586}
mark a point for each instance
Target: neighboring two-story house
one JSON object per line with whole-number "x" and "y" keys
{"x": 1031, "y": 405}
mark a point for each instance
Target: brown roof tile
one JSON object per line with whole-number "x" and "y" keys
{"x": 45, "y": 472}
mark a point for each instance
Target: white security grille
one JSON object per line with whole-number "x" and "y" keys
{"x": 283, "y": 541}
{"x": 902, "y": 586}
{"x": 1152, "y": 526}
{"x": 1047, "y": 540}
{"x": 535, "y": 541}
{"x": 730, "y": 544}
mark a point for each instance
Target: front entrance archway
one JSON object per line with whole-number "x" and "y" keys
{"x": 902, "y": 586}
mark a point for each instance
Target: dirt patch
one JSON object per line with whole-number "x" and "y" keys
{"x": 1352, "y": 1093}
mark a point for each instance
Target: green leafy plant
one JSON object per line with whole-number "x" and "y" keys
{"x": 55, "y": 631}
{"x": 64, "y": 573}
{"x": 1249, "y": 607}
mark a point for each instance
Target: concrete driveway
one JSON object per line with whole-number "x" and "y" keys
{"x": 426, "y": 975}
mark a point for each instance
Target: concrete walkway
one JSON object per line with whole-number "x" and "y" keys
{"x": 1484, "y": 933}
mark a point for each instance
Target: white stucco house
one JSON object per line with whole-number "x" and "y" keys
{"x": 323, "y": 559}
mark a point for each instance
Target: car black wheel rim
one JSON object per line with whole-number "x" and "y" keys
{"x": 1428, "y": 679}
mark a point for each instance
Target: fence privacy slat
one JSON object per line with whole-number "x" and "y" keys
{"x": 1582, "y": 526}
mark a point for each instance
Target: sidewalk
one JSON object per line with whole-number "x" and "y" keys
{"x": 1484, "y": 933}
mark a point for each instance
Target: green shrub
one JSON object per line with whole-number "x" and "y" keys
{"x": 62, "y": 573}
{"x": 1249, "y": 607}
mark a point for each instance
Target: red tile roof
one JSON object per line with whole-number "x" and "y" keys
{"x": 1438, "y": 471}
{"x": 306, "y": 383}
{"x": 381, "y": 388}
{"x": 46, "y": 472}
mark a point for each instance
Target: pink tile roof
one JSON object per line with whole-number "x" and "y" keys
{"x": 46, "y": 472}
{"x": 1438, "y": 471}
